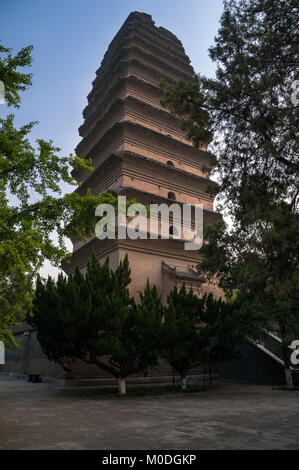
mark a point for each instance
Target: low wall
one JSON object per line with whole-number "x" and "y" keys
{"x": 29, "y": 359}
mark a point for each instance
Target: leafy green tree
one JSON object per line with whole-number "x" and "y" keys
{"x": 183, "y": 345}
{"x": 26, "y": 226}
{"x": 15, "y": 300}
{"x": 250, "y": 110}
{"x": 93, "y": 318}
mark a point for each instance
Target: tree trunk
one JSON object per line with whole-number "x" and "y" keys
{"x": 210, "y": 373}
{"x": 183, "y": 382}
{"x": 122, "y": 389}
{"x": 288, "y": 377}
{"x": 286, "y": 359}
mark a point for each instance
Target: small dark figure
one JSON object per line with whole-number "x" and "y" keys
{"x": 35, "y": 378}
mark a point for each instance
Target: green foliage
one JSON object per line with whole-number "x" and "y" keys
{"x": 26, "y": 227}
{"x": 258, "y": 265}
{"x": 183, "y": 347}
{"x": 198, "y": 331}
{"x": 227, "y": 325}
{"x": 54, "y": 325}
{"x": 15, "y": 299}
{"x": 187, "y": 99}
{"x": 92, "y": 317}
{"x": 150, "y": 315}
{"x": 256, "y": 52}
{"x": 247, "y": 107}
{"x": 13, "y": 79}
{"x": 255, "y": 128}
{"x": 32, "y": 207}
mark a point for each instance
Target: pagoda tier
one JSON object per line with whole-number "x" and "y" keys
{"x": 131, "y": 170}
{"x": 138, "y": 150}
{"x": 127, "y": 135}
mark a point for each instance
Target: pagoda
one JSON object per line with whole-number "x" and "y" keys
{"x": 138, "y": 150}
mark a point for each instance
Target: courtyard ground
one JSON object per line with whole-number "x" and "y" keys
{"x": 228, "y": 416}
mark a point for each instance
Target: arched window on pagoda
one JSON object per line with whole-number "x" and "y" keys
{"x": 173, "y": 231}
{"x": 171, "y": 195}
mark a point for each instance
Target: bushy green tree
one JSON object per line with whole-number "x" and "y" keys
{"x": 182, "y": 344}
{"x": 52, "y": 317}
{"x": 93, "y": 318}
{"x": 204, "y": 331}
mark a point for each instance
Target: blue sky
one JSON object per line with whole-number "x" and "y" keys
{"x": 70, "y": 38}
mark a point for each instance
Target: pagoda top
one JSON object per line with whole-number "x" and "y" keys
{"x": 146, "y": 18}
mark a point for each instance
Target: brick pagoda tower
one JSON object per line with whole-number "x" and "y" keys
{"x": 138, "y": 150}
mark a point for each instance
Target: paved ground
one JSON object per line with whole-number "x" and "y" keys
{"x": 230, "y": 416}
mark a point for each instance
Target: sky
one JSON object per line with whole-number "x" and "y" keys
{"x": 70, "y": 38}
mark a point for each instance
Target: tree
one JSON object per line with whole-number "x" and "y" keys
{"x": 204, "y": 331}
{"x": 262, "y": 269}
{"x": 27, "y": 226}
{"x": 182, "y": 344}
{"x": 150, "y": 317}
{"x": 120, "y": 330}
{"x": 227, "y": 325}
{"x": 249, "y": 111}
{"x": 93, "y": 318}
{"x": 53, "y": 329}
{"x": 15, "y": 299}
